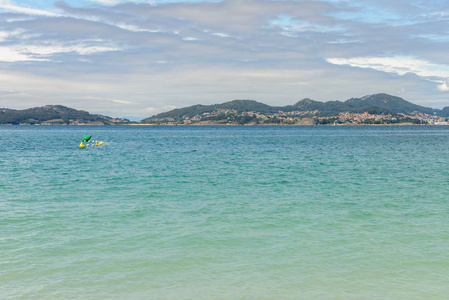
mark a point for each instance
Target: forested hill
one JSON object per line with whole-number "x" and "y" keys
{"x": 395, "y": 104}
{"x": 54, "y": 114}
{"x": 373, "y": 104}
{"x": 238, "y": 105}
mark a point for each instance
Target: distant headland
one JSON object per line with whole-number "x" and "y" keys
{"x": 55, "y": 115}
{"x": 371, "y": 109}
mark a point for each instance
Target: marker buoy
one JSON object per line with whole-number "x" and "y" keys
{"x": 82, "y": 145}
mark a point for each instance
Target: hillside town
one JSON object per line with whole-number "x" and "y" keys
{"x": 233, "y": 117}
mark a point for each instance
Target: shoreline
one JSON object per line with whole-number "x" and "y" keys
{"x": 212, "y": 124}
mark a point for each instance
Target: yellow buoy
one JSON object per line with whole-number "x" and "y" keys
{"x": 82, "y": 145}
{"x": 101, "y": 143}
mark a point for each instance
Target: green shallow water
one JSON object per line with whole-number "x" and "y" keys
{"x": 224, "y": 213}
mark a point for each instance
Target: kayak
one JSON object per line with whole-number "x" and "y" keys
{"x": 87, "y": 138}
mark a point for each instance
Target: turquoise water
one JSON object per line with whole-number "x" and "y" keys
{"x": 224, "y": 212}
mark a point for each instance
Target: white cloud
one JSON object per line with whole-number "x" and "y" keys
{"x": 444, "y": 87}
{"x": 108, "y": 99}
{"x": 4, "y": 35}
{"x": 397, "y": 64}
{"x": 12, "y": 7}
{"x": 43, "y": 52}
{"x": 134, "y": 28}
{"x": 107, "y": 2}
{"x": 224, "y": 35}
{"x": 14, "y": 54}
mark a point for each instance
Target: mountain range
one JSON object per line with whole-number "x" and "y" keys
{"x": 373, "y": 104}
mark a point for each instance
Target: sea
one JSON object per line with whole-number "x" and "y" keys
{"x": 224, "y": 212}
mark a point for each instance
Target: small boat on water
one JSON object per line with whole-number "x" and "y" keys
{"x": 86, "y": 139}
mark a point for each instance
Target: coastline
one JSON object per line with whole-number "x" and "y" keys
{"x": 216, "y": 124}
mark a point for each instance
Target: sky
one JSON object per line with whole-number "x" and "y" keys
{"x": 137, "y": 58}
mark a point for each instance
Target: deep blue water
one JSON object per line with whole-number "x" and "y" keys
{"x": 217, "y": 212}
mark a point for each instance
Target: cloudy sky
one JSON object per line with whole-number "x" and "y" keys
{"x": 141, "y": 57}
